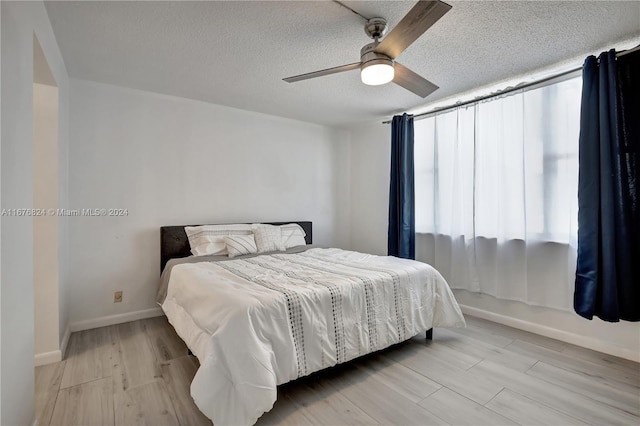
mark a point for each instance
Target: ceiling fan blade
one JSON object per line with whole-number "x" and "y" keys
{"x": 419, "y": 19}
{"x": 321, "y": 73}
{"x": 411, "y": 81}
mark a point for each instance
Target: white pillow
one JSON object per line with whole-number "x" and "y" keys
{"x": 209, "y": 239}
{"x": 293, "y": 235}
{"x": 268, "y": 238}
{"x": 240, "y": 244}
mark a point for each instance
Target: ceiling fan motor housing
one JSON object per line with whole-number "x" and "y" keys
{"x": 368, "y": 56}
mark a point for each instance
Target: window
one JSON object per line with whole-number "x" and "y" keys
{"x": 496, "y": 194}
{"x": 504, "y": 168}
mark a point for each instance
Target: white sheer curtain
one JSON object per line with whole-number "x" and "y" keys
{"x": 496, "y": 194}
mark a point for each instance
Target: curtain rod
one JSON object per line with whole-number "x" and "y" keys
{"x": 509, "y": 90}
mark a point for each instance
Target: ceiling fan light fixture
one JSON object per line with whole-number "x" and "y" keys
{"x": 377, "y": 59}
{"x": 377, "y": 72}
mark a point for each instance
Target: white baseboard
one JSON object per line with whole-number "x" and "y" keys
{"x": 554, "y": 333}
{"x": 114, "y": 319}
{"x": 45, "y": 358}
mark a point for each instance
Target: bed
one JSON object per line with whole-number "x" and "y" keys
{"x": 256, "y": 321}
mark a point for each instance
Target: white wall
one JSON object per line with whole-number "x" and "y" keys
{"x": 370, "y": 162}
{"x": 45, "y": 228}
{"x": 1, "y": 280}
{"x": 63, "y": 200}
{"x": 173, "y": 161}
{"x": 370, "y": 159}
{"x": 20, "y": 20}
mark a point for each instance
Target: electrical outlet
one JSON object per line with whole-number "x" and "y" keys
{"x": 117, "y": 297}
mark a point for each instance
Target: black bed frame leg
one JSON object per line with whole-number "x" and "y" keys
{"x": 430, "y": 334}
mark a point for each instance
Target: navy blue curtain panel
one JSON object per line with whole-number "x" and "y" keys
{"x": 401, "y": 240}
{"x": 607, "y": 272}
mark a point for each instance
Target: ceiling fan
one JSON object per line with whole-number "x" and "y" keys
{"x": 377, "y": 60}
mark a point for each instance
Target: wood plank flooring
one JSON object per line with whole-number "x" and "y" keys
{"x": 138, "y": 373}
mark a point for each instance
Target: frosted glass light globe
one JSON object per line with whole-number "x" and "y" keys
{"x": 377, "y": 73}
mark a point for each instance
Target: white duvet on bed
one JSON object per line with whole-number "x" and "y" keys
{"x": 260, "y": 322}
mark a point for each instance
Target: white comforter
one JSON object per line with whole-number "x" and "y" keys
{"x": 259, "y": 322}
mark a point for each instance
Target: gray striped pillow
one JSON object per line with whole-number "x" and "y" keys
{"x": 293, "y": 235}
{"x": 240, "y": 244}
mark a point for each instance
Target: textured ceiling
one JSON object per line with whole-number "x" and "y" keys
{"x": 236, "y": 53}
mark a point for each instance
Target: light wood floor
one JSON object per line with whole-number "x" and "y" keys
{"x": 487, "y": 374}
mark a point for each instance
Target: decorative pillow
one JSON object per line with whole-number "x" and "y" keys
{"x": 268, "y": 238}
{"x": 240, "y": 244}
{"x": 293, "y": 235}
{"x": 209, "y": 239}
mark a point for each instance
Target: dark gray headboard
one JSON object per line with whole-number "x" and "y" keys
{"x": 174, "y": 242}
